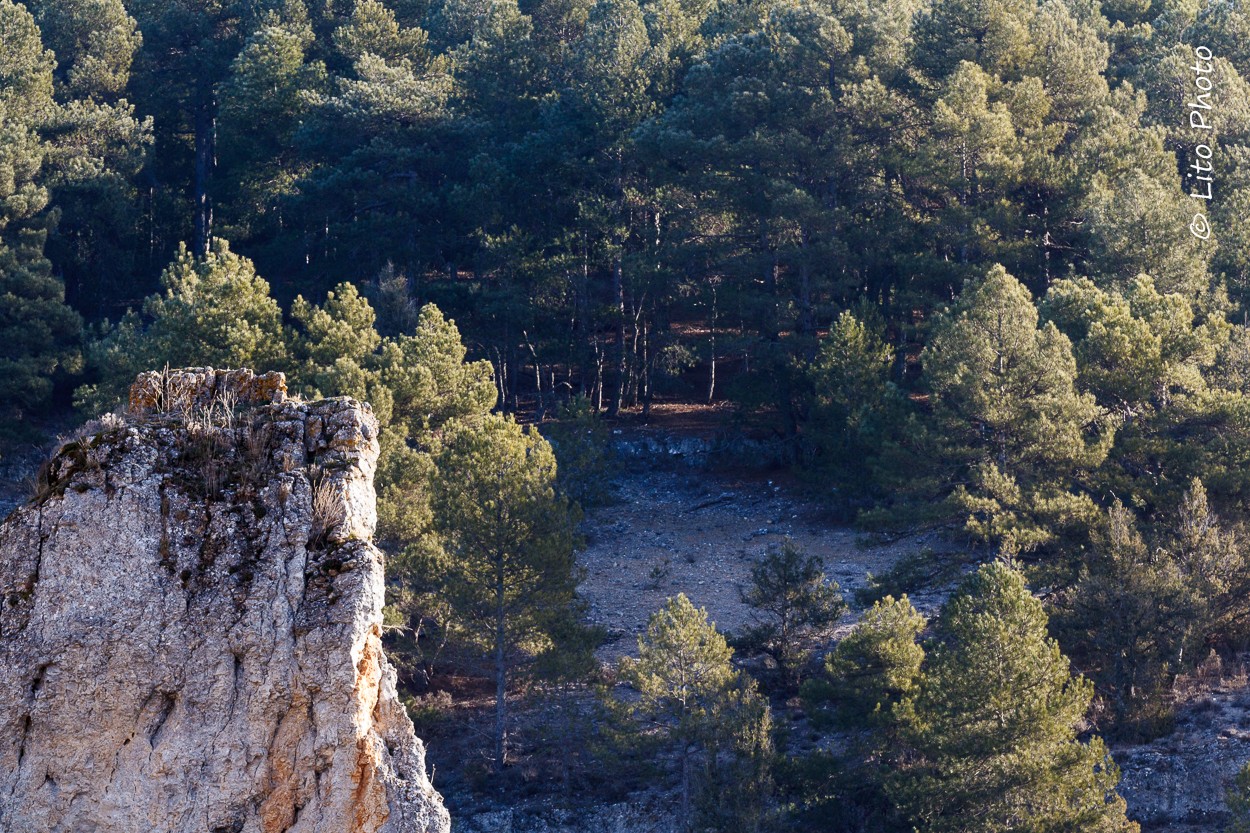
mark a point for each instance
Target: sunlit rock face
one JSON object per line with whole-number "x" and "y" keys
{"x": 190, "y": 621}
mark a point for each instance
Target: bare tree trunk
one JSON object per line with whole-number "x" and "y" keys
{"x": 1046, "y": 243}
{"x": 582, "y": 331}
{"x": 205, "y": 161}
{"x": 685, "y": 786}
{"x": 637, "y": 368}
{"x": 540, "y": 409}
{"x": 771, "y": 270}
{"x": 514, "y": 374}
{"x": 646, "y": 372}
{"x": 501, "y": 672}
{"x": 805, "y": 288}
{"x": 500, "y": 362}
{"x": 597, "y": 392}
{"x": 618, "y": 295}
{"x": 711, "y": 385}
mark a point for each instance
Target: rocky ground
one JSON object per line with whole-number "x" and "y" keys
{"x": 1176, "y": 784}
{"x": 681, "y": 530}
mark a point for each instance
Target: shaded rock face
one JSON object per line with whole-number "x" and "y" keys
{"x": 189, "y": 627}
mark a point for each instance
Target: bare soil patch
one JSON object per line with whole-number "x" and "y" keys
{"x": 699, "y": 533}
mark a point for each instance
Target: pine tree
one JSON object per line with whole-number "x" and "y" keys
{"x": 97, "y": 146}
{"x": 375, "y": 146}
{"x": 188, "y": 48}
{"x": 430, "y": 379}
{"x": 757, "y": 147}
{"x": 1148, "y": 357}
{"x": 794, "y": 605}
{"x": 94, "y": 42}
{"x": 1131, "y": 615}
{"x": 1016, "y": 426}
{"x": 213, "y": 310}
{"x": 973, "y": 158}
{"x": 993, "y": 727}
{"x": 265, "y": 98}
{"x": 1142, "y": 227}
{"x": 431, "y": 389}
{"x": 855, "y": 406}
{"x": 872, "y": 670}
{"x": 1232, "y": 259}
{"x": 334, "y": 350}
{"x": 1237, "y": 799}
{"x": 1119, "y": 356}
{"x": 510, "y": 538}
{"x": 735, "y": 787}
{"x": 1146, "y": 606}
{"x": 876, "y": 666}
{"x": 994, "y": 35}
{"x": 41, "y": 336}
{"x": 689, "y": 691}
{"x": 422, "y": 388}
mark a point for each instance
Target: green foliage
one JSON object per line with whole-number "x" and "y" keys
{"x": 682, "y": 669}
{"x": 96, "y": 149}
{"x": 214, "y": 311}
{"x": 874, "y": 668}
{"x": 431, "y": 388}
{"x": 94, "y": 42}
{"x": 266, "y": 95}
{"x": 1139, "y": 208}
{"x": 992, "y": 728}
{"x": 795, "y": 607}
{"x": 1133, "y": 613}
{"x": 41, "y": 335}
{"x": 735, "y": 787}
{"x": 993, "y": 35}
{"x": 510, "y": 541}
{"x": 855, "y": 409}
{"x": 976, "y": 729}
{"x": 333, "y": 348}
{"x": 938, "y": 249}
{"x": 1143, "y": 609}
{"x": 583, "y": 447}
{"x": 498, "y": 513}
{"x": 372, "y": 29}
{"x": 690, "y": 694}
{"x": 431, "y": 381}
{"x": 1017, "y": 428}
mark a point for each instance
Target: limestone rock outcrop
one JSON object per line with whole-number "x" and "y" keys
{"x": 190, "y": 621}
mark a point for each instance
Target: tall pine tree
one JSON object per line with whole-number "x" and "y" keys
{"x": 993, "y": 728}
{"x": 39, "y": 335}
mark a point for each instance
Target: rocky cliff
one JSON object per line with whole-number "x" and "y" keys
{"x": 189, "y": 625}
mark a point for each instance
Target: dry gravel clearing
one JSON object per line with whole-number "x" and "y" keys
{"x": 696, "y": 532}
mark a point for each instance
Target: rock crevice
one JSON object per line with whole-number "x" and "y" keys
{"x": 190, "y": 616}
